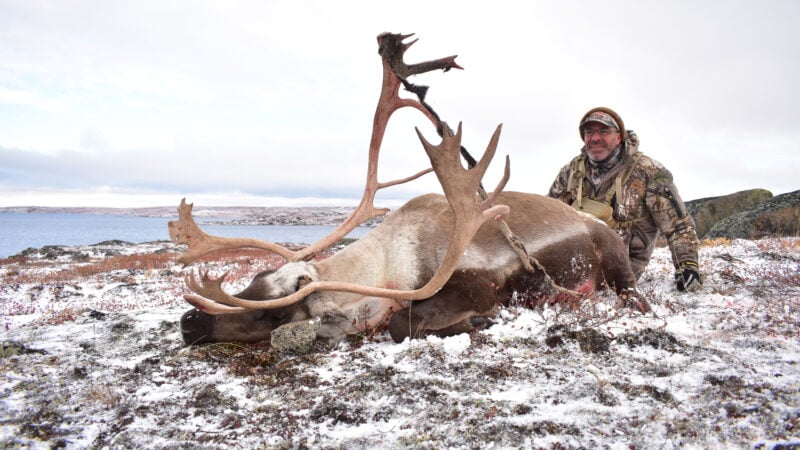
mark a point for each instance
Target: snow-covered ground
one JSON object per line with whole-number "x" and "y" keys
{"x": 92, "y": 357}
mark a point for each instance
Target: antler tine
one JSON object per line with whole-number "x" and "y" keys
{"x": 502, "y": 183}
{"x": 491, "y": 149}
{"x": 394, "y": 37}
{"x": 210, "y": 306}
{"x": 408, "y": 45}
{"x": 213, "y": 299}
{"x": 459, "y": 184}
{"x": 186, "y": 231}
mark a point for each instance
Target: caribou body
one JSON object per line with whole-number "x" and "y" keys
{"x": 578, "y": 251}
{"x": 441, "y": 264}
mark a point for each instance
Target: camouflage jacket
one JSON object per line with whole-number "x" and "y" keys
{"x": 648, "y": 203}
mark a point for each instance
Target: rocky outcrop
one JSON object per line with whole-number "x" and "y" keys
{"x": 707, "y": 212}
{"x": 779, "y": 216}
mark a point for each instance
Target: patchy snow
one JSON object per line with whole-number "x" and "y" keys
{"x": 95, "y": 360}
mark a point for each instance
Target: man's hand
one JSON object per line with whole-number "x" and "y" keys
{"x": 688, "y": 277}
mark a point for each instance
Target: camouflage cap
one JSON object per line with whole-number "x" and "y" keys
{"x": 606, "y": 116}
{"x": 601, "y": 117}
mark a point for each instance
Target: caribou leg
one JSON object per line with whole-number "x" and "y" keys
{"x": 465, "y": 304}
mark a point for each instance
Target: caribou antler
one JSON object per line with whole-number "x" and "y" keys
{"x": 391, "y": 48}
{"x": 460, "y": 186}
{"x": 186, "y": 231}
{"x": 469, "y": 213}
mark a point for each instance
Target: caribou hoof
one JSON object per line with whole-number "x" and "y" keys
{"x": 634, "y": 302}
{"x": 481, "y": 323}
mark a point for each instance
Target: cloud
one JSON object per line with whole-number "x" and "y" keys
{"x": 277, "y": 98}
{"x": 31, "y": 99}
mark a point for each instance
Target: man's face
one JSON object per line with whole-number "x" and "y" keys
{"x": 600, "y": 140}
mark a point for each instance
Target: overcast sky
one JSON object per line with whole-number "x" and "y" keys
{"x": 121, "y": 103}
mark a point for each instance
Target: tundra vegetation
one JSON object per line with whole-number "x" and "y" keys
{"x": 92, "y": 357}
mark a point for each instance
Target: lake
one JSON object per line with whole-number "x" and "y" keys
{"x": 19, "y": 231}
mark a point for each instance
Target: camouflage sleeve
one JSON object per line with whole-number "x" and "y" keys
{"x": 558, "y": 190}
{"x": 669, "y": 213}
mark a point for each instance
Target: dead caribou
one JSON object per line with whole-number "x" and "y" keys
{"x": 438, "y": 265}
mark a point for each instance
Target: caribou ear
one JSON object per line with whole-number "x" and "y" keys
{"x": 302, "y": 281}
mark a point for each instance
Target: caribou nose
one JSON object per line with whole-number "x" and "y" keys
{"x": 197, "y": 327}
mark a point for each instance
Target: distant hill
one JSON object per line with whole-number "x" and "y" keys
{"x": 708, "y": 211}
{"x": 750, "y": 214}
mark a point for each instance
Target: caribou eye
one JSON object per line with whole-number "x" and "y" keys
{"x": 302, "y": 281}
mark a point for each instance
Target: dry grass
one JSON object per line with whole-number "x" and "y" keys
{"x": 784, "y": 222}
{"x": 787, "y": 246}
{"x": 58, "y": 317}
{"x": 260, "y": 362}
{"x": 721, "y": 241}
{"x": 83, "y": 270}
{"x": 18, "y": 267}
{"x": 104, "y": 395}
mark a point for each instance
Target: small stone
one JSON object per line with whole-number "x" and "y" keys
{"x": 295, "y": 337}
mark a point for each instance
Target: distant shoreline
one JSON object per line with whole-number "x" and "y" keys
{"x": 231, "y": 215}
{"x": 38, "y": 228}
{"x": 158, "y": 211}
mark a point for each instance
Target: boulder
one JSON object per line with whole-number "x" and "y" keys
{"x": 707, "y": 212}
{"x": 295, "y": 337}
{"x": 779, "y": 216}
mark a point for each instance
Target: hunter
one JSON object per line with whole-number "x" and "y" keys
{"x": 633, "y": 193}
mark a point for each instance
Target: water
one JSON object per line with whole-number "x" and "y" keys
{"x": 19, "y": 231}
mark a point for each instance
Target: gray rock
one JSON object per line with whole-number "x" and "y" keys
{"x": 707, "y": 212}
{"x": 779, "y": 216}
{"x": 295, "y": 337}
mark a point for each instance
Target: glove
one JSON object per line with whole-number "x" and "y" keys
{"x": 688, "y": 277}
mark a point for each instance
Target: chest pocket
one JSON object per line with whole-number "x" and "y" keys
{"x": 602, "y": 210}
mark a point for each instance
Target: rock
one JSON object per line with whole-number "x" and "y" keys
{"x": 779, "y": 216}
{"x": 707, "y": 212}
{"x": 10, "y": 348}
{"x": 295, "y": 337}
